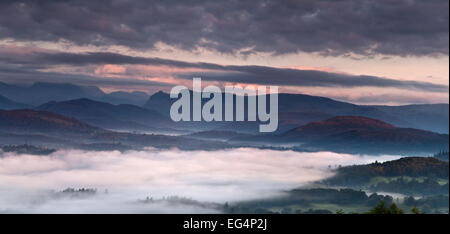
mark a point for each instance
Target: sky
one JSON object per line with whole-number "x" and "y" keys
{"x": 360, "y": 51}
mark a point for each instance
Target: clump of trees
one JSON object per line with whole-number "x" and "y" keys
{"x": 381, "y": 208}
{"x": 27, "y": 149}
{"x": 306, "y": 198}
{"x": 430, "y": 204}
{"x": 408, "y": 166}
{"x": 75, "y": 193}
{"x": 428, "y": 186}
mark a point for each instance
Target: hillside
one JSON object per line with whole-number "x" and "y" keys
{"x": 355, "y": 134}
{"x": 105, "y": 115}
{"x": 407, "y": 166}
{"x": 30, "y": 121}
{"x": 338, "y": 125}
{"x": 8, "y": 104}
{"x": 18, "y": 127}
{"x": 409, "y": 175}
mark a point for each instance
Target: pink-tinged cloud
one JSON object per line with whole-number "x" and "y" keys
{"x": 219, "y": 176}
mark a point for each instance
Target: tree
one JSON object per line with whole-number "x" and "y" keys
{"x": 381, "y": 208}
{"x": 395, "y": 210}
{"x": 340, "y": 211}
{"x": 415, "y": 210}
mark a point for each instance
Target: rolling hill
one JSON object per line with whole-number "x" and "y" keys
{"x": 105, "y": 115}
{"x": 7, "y": 104}
{"x": 409, "y": 175}
{"x": 33, "y": 121}
{"x": 356, "y": 134}
{"x": 18, "y": 127}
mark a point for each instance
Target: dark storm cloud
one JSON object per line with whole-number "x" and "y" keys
{"x": 215, "y": 72}
{"x": 402, "y": 27}
{"x": 26, "y": 74}
{"x": 312, "y": 78}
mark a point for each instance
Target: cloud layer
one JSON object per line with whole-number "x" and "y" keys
{"x": 404, "y": 27}
{"x": 262, "y": 75}
{"x": 226, "y": 175}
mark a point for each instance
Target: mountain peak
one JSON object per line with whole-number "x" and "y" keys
{"x": 160, "y": 94}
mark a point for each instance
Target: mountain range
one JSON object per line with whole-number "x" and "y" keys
{"x": 294, "y": 109}
{"x": 41, "y": 92}
{"x": 43, "y": 112}
{"x": 109, "y": 116}
{"x": 299, "y": 109}
{"x": 348, "y": 134}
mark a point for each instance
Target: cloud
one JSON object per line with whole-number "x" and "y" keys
{"x": 309, "y": 78}
{"x": 220, "y": 176}
{"x": 30, "y": 74}
{"x": 224, "y": 73}
{"x": 345, "y": 27}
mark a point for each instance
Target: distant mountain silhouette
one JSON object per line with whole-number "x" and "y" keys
{"x": 120, "y": 97}
{"x": 294, "y": 109}
{"x": 160, "y": 102}
{"x": 105, "y": 115}
{"x": 8, "y": 104}
{"x": 41, "y": 92}
{"x": 298, "y": 109}
{"x": 432, "y": 117}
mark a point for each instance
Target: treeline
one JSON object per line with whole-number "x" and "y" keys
{"x": 75, "y": 193}
{"x": 27, "y": 149}
{"x": 330, "y": 201}
{"x": 402, "y": 185}
{"x": 428, "y": 204}
{"x": 307, "y": 198}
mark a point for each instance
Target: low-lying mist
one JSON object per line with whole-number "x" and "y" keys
{"x": 126, "y": 181}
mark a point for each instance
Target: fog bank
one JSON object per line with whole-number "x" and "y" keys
{"x": 123, "y": 178}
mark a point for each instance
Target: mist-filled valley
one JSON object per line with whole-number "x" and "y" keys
{"x": 175, "y": 181}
